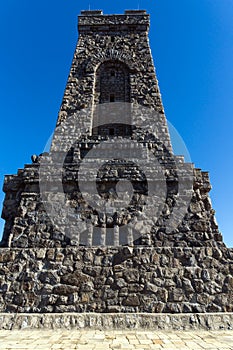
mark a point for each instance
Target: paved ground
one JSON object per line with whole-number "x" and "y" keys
{"x": 101, "y": 340}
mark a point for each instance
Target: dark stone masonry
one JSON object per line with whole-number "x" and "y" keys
{"x": 172, "y": 261}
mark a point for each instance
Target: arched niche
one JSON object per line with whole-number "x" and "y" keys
{"x": 112, "y": 85}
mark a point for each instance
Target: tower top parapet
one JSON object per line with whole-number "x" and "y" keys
{"x": 95, "y": 20}
{"x": 91, "y": 12}
{"x": 100, "y": 12}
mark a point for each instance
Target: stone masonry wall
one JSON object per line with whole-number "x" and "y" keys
{"x": 28, "y": 224}
{"x": 153, "y": 280}
{"x": 119, "y": 38}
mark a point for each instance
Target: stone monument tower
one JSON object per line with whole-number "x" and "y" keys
{"x": 110, "y": 220}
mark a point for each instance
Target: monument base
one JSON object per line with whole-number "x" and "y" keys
{"x": 111, "y": 321}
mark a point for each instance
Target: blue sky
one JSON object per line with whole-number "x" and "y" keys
{"x": 192, "y": 47}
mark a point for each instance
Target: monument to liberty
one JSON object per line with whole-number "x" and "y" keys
{"x": 110, "y": 228}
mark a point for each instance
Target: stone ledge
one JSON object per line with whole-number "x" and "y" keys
{"x": 108, "y": 321}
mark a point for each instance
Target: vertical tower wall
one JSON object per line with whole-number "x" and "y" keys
{"x": 121, "y": 40}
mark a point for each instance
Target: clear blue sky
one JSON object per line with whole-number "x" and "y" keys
{"x": 192, "y": 46}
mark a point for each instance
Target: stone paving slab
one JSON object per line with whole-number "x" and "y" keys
{"x": 114, "y": 340}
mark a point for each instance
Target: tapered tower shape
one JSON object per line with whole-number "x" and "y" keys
{"x": 110, "y": 220}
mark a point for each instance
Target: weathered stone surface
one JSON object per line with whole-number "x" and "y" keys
{"x": 64, "y": 290}
{"x": 139, "y": 321}
{"x": 152, "y": 287}
{"x": 131, "y": 300}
